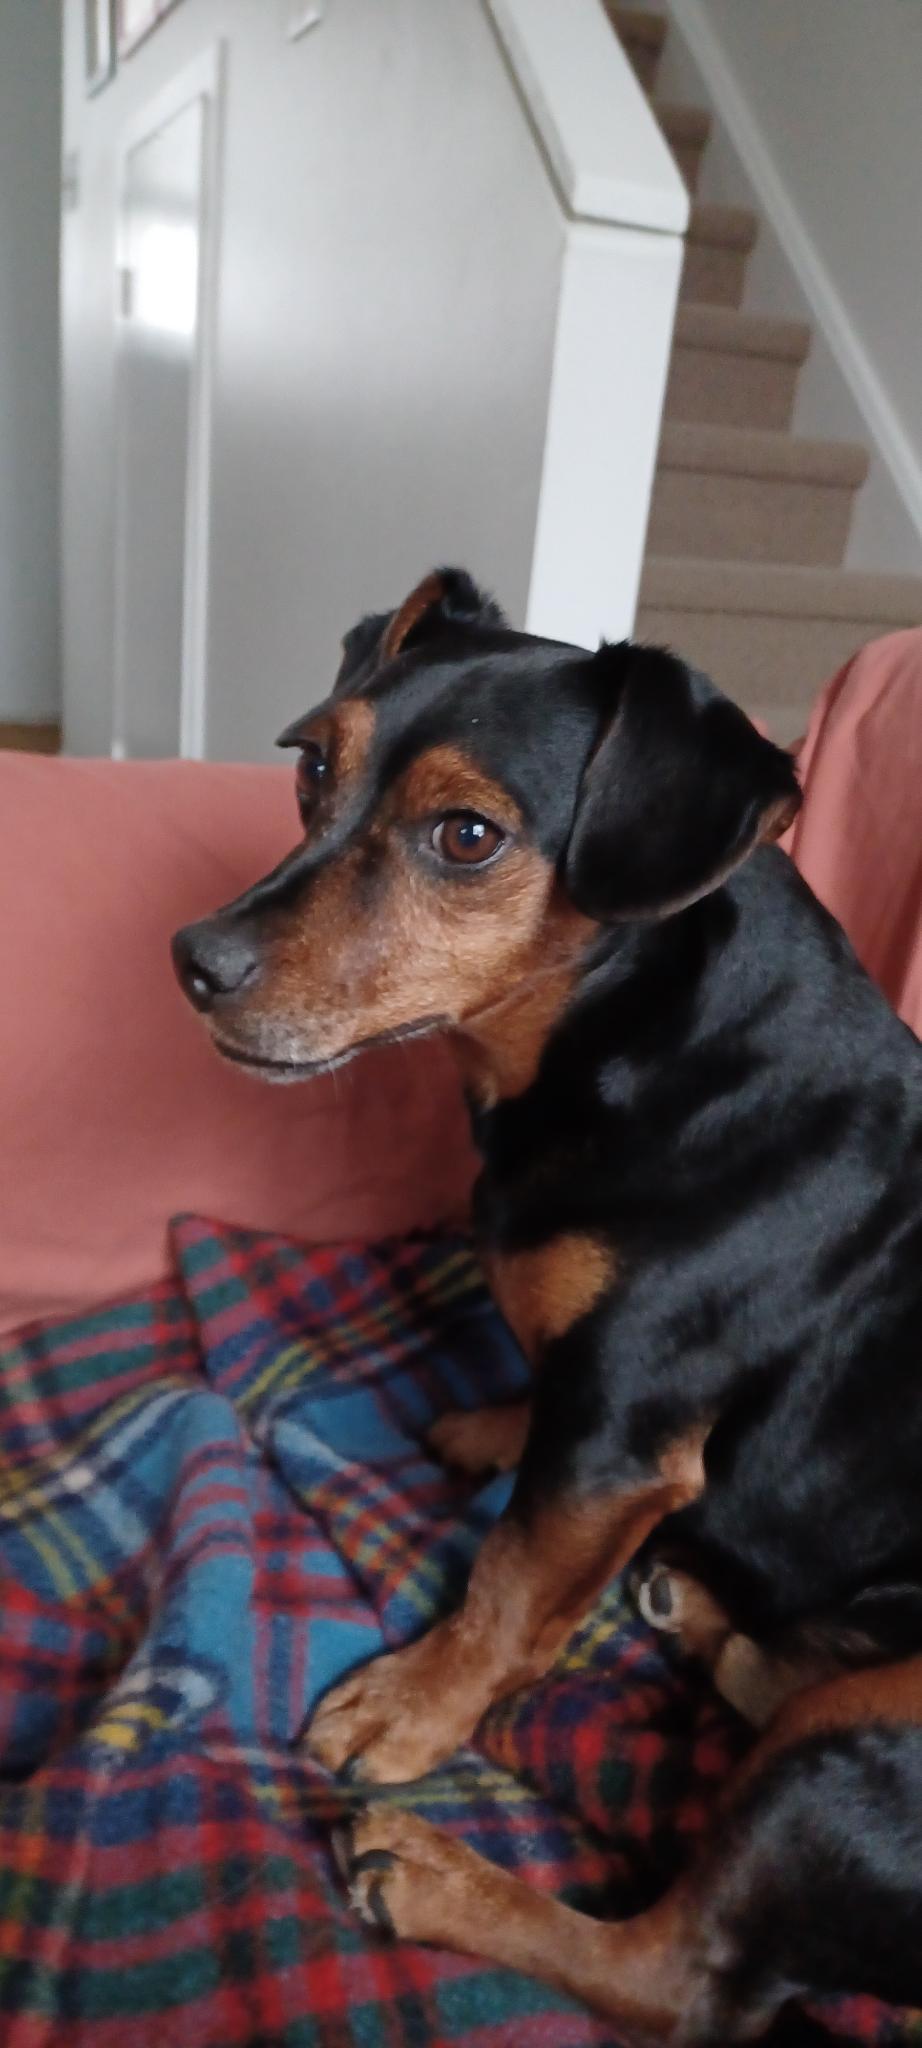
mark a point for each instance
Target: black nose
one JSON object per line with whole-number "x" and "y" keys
{"x": 214, "y": 961}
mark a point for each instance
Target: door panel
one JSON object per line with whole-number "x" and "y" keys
{"x": 159, "y": 340}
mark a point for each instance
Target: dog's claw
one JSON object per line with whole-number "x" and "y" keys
{"x": 398, "y": 1869}
{"x": 371, "y": 1859}
{"x": 375, "y": 1913}
{"x": 658, "y": 1591}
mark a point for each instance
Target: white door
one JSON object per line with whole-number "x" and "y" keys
{"x": 159, "y": 539}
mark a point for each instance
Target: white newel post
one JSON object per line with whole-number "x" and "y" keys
{"x": 625, "y": 211}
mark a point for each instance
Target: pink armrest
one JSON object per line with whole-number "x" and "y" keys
{"x": 114, "y": 1112}
{"x": 858, "y": 839}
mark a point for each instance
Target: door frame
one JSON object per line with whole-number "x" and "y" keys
{"x": 202, "y": 79}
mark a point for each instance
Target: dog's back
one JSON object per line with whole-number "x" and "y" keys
{"x": 813, "y": 1268}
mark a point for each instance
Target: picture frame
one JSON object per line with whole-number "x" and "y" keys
{"x": 99, "y": 43}
{"x": 135, "y": 19}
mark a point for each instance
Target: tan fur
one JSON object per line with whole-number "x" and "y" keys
{"x": 755, "y": 1682}
{"x": 647, "y": 1974}
{"x": 478, "y": 1440}
{"x": 500, "y": 1045}
{"x": 444, "y": 779}
{"x": 383, "y": 940}
{"x": 878, "y": 1693}
{"x": 643, "y": 1973}
{"x": 530, "y": 1587}
{"x": 427, "y": 593}
{"x": 544, "y": 1291}
{"x": 353, "y": 725}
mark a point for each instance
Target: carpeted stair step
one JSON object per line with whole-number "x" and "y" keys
{"x": 23, "y": 736}
{"x": 686, "y": 130}
{"x": 716, "y": 252}
{"x": 732, "y": 369}
{"x": 734, "y": 494}
{"x": 771, "y": 636}
{"x": 642, "y": 36}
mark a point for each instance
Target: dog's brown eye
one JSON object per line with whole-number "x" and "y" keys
{"x": 309, "y": 776}
{"x": 466, "y": 839}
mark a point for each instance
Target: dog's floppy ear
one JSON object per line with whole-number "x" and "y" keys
{"x": 680, "y": 789}
{"x": 445, "y": 596}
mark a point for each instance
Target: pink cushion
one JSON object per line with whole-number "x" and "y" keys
{"x": 115, "y": 1112}
{"x": 858, "y": 839}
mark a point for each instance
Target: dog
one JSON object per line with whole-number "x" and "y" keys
{"x": 700, "y": 1210}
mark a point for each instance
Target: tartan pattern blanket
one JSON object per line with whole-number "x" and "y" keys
{"x": 214, "y": 1500}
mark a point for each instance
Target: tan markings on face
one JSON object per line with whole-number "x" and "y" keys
{"x": 344, "y": 737}
{"x": 385, "y": 938}
{"x": 353, "y": 724}
{"x": 427, "y": 593}
{"x": 544, "y": 1291}
{"x": 445, "y": 779}
{"x": 536, "y": 930}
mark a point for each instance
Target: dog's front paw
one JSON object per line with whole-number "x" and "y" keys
{"x": 479, "y": 1440}
{"x": 393, "y": 1720}
{"x": 406, "y": 1878}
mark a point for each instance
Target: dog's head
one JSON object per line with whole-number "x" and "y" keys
{"x": 475, "y": 805}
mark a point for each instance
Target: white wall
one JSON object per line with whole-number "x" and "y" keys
{"x": 387, "y": 296}
{"x": 826, "y": 95}
{"x": 29, "y": 203}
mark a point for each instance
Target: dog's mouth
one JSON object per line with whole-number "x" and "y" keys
{"x": 304, "y": 1070}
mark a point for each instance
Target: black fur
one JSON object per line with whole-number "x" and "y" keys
{"x": 731, "y": 1105}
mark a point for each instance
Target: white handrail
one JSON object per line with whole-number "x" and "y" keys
{"x": 596, "y": 127}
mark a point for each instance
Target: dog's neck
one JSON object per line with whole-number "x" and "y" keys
{"x": 499, "y": 1049}
{"x": 500, "y": 1045}
{"x": 626, "y": 992}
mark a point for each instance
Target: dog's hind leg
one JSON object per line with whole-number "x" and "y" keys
{"x": 808, "y": 1885}
{"x": 756, "y": 1681}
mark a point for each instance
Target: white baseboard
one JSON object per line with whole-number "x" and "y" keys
{"x": 881, "y": 423}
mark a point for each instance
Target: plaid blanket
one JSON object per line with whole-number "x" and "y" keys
{"x": 214, "y": 1500}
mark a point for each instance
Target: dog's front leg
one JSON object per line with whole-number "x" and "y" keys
{"x": 536, "y": 1575}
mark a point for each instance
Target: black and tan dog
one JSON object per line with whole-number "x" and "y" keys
{"x": 701, "y": 1212}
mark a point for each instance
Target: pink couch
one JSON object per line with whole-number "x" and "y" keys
{"x": 115, "y": 1112}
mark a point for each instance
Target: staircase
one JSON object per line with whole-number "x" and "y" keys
{"x": 749, "y": 523}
